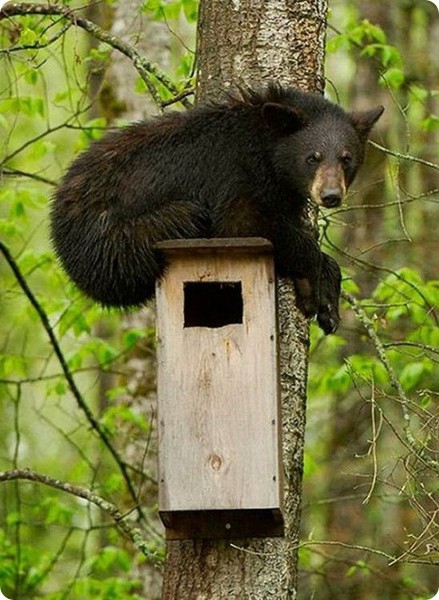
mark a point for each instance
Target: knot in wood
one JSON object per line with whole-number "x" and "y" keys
{"x": 215, "y": 462}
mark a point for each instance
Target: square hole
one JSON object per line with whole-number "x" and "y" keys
{"x": 212, "y": 303}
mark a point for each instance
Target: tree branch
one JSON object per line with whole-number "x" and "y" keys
{"x": 67, "y": 374}
{"x": 35, "y": 176}
{"x": 122, "y": 521}
{"x": 145, "y": 69}
{"x": 408, "y": 157}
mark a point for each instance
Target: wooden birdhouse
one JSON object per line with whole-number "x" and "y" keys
{"x": 218, "y": 413}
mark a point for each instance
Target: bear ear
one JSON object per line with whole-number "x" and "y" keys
{"x": 283, "y": 119}
{"x": 364, "y": 121}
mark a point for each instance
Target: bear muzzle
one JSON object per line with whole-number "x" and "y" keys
{"x": 329, "y": 187}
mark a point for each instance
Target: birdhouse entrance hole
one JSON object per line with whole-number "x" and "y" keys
{"x": 212, "y": 303}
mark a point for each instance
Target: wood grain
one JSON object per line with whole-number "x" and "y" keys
{"x": 219, "y": 446}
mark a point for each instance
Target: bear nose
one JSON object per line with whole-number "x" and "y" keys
{"x": 331, "y": 197}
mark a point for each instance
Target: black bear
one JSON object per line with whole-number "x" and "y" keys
{"x": 241, "y": 168}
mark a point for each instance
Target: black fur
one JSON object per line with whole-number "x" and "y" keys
{"x": 238, "y": 169}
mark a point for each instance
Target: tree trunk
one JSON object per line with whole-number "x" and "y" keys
{"x": 246, "y": 42}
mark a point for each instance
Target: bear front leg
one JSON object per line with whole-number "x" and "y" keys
{"x": 299, "y": 258}
{"x": 330, "y": 285}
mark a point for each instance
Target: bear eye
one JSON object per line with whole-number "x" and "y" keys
{"x": 314, "y": 158}
{"x": 346, "y": 158}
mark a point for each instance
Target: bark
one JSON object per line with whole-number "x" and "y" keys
{"x": 246, "y": 42}
{"x": 152, "y": 40}
{"x": 249, "y": 41}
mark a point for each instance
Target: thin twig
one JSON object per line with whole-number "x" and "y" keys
{"x": 394, "y": 381}
{"x": 373, "y": 445}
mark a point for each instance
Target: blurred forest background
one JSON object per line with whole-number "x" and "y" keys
{"x": 77, "y": 400}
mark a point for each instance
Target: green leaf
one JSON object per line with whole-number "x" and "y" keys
{"x": 367, "y": 368}
{"x": 31, "y": 76}
{"x": 151, "y": 6}
{"x": 28, "y": 105}
{"x": 41, "y": 148}
{"x": 390, "y": 56}
{"x": 115, "y": 392}
{"x": 310, "y": 466}
{"x": 419, "y": 93}
{"x": 426, "y": 334}
{"x": 338, "y": 42}
{"x": 28, "y": 37}
{"x": 370, "y": 50}
{"x": 17, "y": 210}
{"x": 393, "y": 77}
{"x": 185, "y": 67}
{"x": 8, "y": 228}
{"x": 110, "y": 558}
{"x": 162, "y": 11}
{"x": 60, "y": 387}
{"x": 101, "y": 53}
{"x": 14, "y": 518}
{"x": 74, "y": 320}
{"x": 94, "y": 129}
{"x": 115, "y": 415}
{"x": 140, "y": 86}
{"x": 106, "y": 354}
{"x": 171, "y": 10}
{"x": 357, "y": 34}
{"x": 13, "y": 365}
{"x": 190, "y": 9}
{"x": 425, "y": 400}
{"x": 431, "y": 292}
{"x": 56, "y": 511}
{"x": 131, "y": 337}
{"x": 360, "y": 565}
{"x": 32, "y": 106}
{"x": 75, "y": 360}
{"x": 340, "y": 380}
{"x": 374, "y": 32}
{"x": 430, "y": 123}
{"x": 350, "y": 286}
{"x": 413, "y": 373}
{"x": 113, "y": 483}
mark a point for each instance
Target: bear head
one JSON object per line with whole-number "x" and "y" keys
{"x": 318, "y": 155}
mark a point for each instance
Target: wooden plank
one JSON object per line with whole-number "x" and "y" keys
{"x": 216, "y": 245}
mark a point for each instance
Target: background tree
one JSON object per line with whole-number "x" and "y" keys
{"x": 74, "y": 528}
{"x": 151, "y": 37}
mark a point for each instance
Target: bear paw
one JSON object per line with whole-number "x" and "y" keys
{"x": 328, "y": 318}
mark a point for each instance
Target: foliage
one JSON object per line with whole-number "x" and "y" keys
{"x": 44, "y": 118}
{"x": 164, "y": 11}
{"x": 371, "y": 466}
{"x": 372, "y": 436}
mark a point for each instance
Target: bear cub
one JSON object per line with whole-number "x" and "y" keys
{"x": 241, "y": 168}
